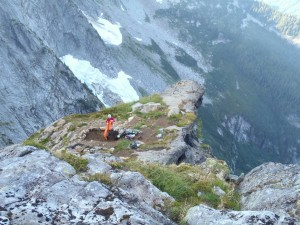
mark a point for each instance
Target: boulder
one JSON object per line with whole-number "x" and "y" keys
{"x": 136, "y": 184}
{"x": 146, "y": 108}
{"x": 272, "y": 186}
{"x": 202, "y": 214}
{"x": 185, "y": 96}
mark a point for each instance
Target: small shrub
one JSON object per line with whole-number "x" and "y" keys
{"x": 79, "y": 163}
{"x": 211, "y": 199}
{"x": 175, "y": 118}
{"x": 232, "y": 201}
{"x": 152, "y": 98}
{"x": 72, "y": 128}
{"x": 151, "y": 115}
{"x": 35, "y": 144}
{"x": 205, "y": 146}
{"x": 120, "y": 111}
{"x": 101, "y": 177}
{"x": 122, "y": 145}
{"x": 186, "y": 119}
{"x": 45, "y": 141}
{"x": 117, "y": 165}
{"x": 199, "y": 129}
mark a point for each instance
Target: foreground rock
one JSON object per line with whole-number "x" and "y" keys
{"x": 202, "y": 214}
{"x": 272, "y": 186}
{"x": 38, "y": 188}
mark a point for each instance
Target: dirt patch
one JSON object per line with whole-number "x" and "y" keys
{"x": 148, "y": 135}
{"x": 97, "y": 135}
{"x": 162, "y": 122}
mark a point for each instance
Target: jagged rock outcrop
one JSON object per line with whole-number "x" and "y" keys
{"x": 274, "y": 187}
{"x": 38, "y": 188}
{"x": 202, "y": 214}
{"x": 183, "y": 97}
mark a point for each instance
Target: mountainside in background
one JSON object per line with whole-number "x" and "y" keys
{"x": 123, "y": 50}
{"x": 282, "y": 17}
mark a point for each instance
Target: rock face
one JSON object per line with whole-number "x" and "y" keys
{"x": 274, "y": 187}
{"x": 36, "y": 88}
{"x": 38, "y": 188}
{"x": 205, "y": 215}
{"x": 185, "y": 96}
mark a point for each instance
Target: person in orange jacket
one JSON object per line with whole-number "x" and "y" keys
{"x": 109, "y": 122}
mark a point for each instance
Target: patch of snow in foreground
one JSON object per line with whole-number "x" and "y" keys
{"x": 109, "y": 32}
{"x": 97, "y": 81}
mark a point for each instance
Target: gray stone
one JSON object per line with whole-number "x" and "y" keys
{"x": 38, "y": 188}
{"x": 137, "y": 106}
{"x": 183, "y": 96}
{"x": 272, "y": 186}
{"x": 235, "y": 179}
{"x": 150, "y": 107}
{"x": 95, "y": 164}
{"x": 136, "y": 184}
{"x": 202, "y": 214}
{"x": 218, "y": 191}
{"x": 4, "y": 220}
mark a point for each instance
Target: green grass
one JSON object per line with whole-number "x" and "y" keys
{"x": 120, "y": 112}
{"x": 35, "y": 144}
{"x": 32, "y": 141}
{"x": 79, "y": 163}
{"x": 152, "y": 98}
{"x": 102, "y": 178}
{"x": 122, "y": 145}
{"x": 182, "y": 120}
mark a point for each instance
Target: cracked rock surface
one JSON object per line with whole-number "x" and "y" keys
{"x": 38, "y": 188}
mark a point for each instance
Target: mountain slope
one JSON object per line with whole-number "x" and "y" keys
{"x": 36, "y": 88}
{"x": 126, "y": 49}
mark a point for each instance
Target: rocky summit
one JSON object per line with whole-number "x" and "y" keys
{"x": 153, "y": 169}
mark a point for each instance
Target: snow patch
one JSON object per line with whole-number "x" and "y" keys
{"x": 98, "y": 82}
{"x": 221, "y": 39}
{"x": 238, "y": 127}
{"x": 294, "y": 120}
{"x": 220, "y": 131}
{"x": 122, "y": 8}
{"x": 236, "y": 3}
{"x": 237, "y": 85}
{"x": 138, "y": 39}
{"x": 109, "y": 32}
{"x": 206, "y": 101}
{"x": 248, "y": 19}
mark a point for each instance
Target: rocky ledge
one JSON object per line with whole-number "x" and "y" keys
{"x": 83, "y": 179}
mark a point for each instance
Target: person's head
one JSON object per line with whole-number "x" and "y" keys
{"x": 109, "y": 116}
